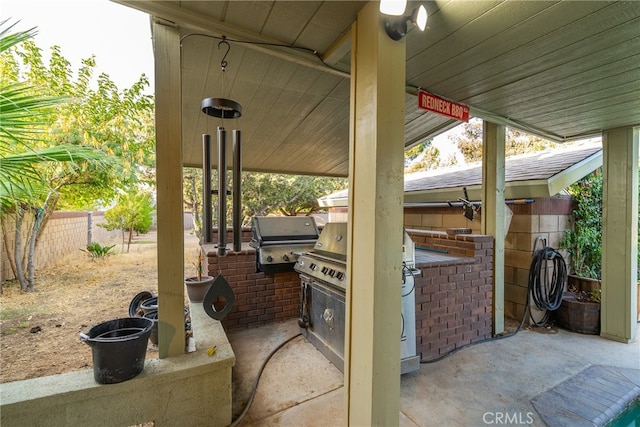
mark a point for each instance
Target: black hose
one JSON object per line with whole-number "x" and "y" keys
{"x": 255, "y": 385}
{"x": 547, "y": 294}
{"x": 547, "y": 276}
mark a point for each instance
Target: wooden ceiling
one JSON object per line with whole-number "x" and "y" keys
{"x": 561, "y": 69}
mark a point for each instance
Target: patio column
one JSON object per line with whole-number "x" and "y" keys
{"x": 493, "y": 212}
{"x": 373, "y": 297}
{"x": 171, "y": 340}
{"x": 619, "y": 307}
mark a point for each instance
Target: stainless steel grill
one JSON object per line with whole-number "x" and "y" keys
{"x": 327, "y": 261}
{"x": 279, "y": 240}
{"x": 323, "y": 276}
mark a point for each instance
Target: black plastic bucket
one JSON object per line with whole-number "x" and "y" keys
{"x": 138, "y": 299}
{"x": 149, "y": 304}
{"x": 153, "y": 315}
{"x": 119, "y": 348}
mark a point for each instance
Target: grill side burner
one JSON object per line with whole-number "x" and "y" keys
{"x": 280, "y": 240}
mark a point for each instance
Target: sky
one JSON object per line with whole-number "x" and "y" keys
{"x": 118, "y": 36}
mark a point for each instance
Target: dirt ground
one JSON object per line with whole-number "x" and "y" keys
{"x": 40, "y": 331}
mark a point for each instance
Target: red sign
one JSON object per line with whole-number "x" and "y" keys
{"x": 442, "y": 106}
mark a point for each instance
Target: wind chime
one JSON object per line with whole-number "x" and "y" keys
{"x": 220, "y": 298}
{"x": 222, "y": 108}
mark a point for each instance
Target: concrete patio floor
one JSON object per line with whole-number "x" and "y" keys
{"x": 483, "y": 384}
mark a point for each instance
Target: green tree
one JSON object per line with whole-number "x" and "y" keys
{"x": 132, "y": 213}
{"x": 288, "y": 195}
{"x": 469, "y": 141}
{"x": 263, "y": 194}
{"x": 118, "y": 123}
{"x": 415, "y": 152}
{"x": 423, "y": 156}
{"x": 26, "y": 185}
{"x": 192, "y": 196}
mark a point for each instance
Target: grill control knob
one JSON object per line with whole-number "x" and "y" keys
{"x": 285, "y": 257}
{"x": 269, "y": 258}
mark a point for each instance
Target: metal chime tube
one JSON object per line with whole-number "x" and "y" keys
{"x": 237, "y": 191}
{"x": 222, "y": 191}
{"x": 207, "y": 230}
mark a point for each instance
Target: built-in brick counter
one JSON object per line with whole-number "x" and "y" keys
{"x": 454, "y": 290}
{"x": 259, "y": 298}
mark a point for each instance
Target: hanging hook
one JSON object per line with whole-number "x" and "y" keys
{"x": 224, "y": 63}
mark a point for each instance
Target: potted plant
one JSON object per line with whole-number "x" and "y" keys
{"x": 198, "y": 286}
{"x": 580, "y": 308}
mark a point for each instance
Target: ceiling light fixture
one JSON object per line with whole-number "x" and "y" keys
{"x": 397, "y": 27}
{"x": 393, "y": 7}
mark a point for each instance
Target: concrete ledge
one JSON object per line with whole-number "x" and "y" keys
{"x": 193, "y": 389}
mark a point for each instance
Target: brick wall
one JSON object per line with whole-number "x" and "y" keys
{"x": 246, "y": 235}
{"x": 453, "y": 300}
{"x": 545, "y": 217}
{"x": 454, "y": 297}
{"x": 64, "y": 233}
{"x": 259, "y": 298}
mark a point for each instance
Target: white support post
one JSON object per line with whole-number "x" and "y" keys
{"x": 619, "y": 306}
{"x": 493, "y": 211}
{"x": 171, "y": 337}
{"x": 373, "y": 297}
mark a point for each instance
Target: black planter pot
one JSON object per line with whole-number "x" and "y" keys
{"x": 118, "y": 348}
{"x": 150, "y": 304}
{"x": 153, "y": 316}
{"x": 138, "y": 299}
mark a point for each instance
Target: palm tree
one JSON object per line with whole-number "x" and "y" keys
{"x": 23, "y": 115}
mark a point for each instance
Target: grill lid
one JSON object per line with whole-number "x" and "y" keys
{"x": 332, "y": 242}
{"x": 282, "y": 229}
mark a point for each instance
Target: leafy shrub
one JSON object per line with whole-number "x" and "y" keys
{"x": 97, "y": 251}
{"x": 584, "y": 242}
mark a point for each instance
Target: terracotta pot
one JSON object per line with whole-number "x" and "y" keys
{"x": 197, "y": 289}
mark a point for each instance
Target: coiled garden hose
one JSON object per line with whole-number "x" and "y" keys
{"x": 547, "y": 294}
{"x": 547, "y": 276}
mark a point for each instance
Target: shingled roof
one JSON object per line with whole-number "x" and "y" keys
{"x": 533, "y": 175}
